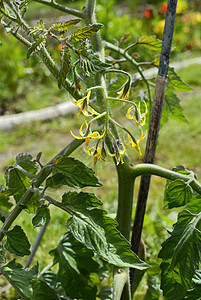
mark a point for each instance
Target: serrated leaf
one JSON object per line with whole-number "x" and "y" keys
{"x": 17, "y": 182}
{"x": 172, "y": 107}
{"x": 98, "y": 232}
{"x": 86, "y": 32}
{"x": 4, "y": 198}
{"x": 42, "y": 216}
{"x": 26, "y": 161}
{"x": 150, "y": 42}
{"x": 20, "y": 277}
{"x": 175, "y": 82}
{"x": 65, "y": 65}
{"x": 17, "y": 242}
{"x": 37, "y": 45}
{"x": 181, "y": 254}
{"x": 177, "y": 193}
{"x": 26, "y": 282}
{"x": 76, "y": 268}
{"x": 74, "y": 174}
{"x": 64, "y": 26}
{"x": 194, "y": 293}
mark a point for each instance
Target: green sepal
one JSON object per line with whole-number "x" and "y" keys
{"x": 77, "y": 268}
{"x": 37, "y": 45}
{"x": 17, "y": 242}
{"x": 42, "y": 216}
{"x": 71, "y": 172}
{"x": 181, "y": 255}
{"x": 65, "y": 65}
{"x": 86, "y": 32}
{"x": 64, "y": 26}
{"x": 97, "y": 232}
{"x": 150, "y": 42}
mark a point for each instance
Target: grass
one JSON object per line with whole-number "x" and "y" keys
{"x": 179, "y": 143}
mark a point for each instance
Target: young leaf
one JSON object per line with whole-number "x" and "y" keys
{"x": 194, "y": 293}
{"x": 86, "y": 32}
{"x": 26, "y": 161}
{"x": 177, "y": 193}
{"x": 65, "y": 65}
{"x": 37, "y": 45}
{"x": 17, "y": 242}
{"x": 42, "y": 216}
{"x": 76, "y": 268}
{"x": 20, "y": 278}
{"x": 42, "y": 291}
{"x": 64, "y": 26}
{"x": 181, "y": 254}
{"x": 175, "y": 82}
{"x": 105, "y": 293}
{"x": 98, "y": 232}
{"x": 150, "y": 42}
{"x": 90, "y": 63}
{"x": 73, "y": 173}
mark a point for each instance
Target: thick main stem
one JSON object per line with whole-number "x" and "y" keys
{"x": 154, "y": 125}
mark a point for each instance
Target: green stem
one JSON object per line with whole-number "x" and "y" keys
{"x": 62, "y": 8}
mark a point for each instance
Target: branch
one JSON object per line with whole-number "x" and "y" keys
{"x": 71, "y": 11}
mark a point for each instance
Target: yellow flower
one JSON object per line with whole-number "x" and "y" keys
{"x": 88, "y": 134}
{"x": 119, "y": 152}
{"x": 134, "y": 113}
{"x": 130, "y": 141}
{"x": 96, "y": 153}
{"x": 125, "y": 89}
{"x": 84, "y": 106}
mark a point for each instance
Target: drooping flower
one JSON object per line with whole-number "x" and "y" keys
{"x": 119, "y": 150}
{"x": 88, "y": 134}
{"x": 129, "y": 140}
{"x": 96, "y": 153}
{"x": 134, "y": 113}
{"x": 125, "y": 89}
{"x": 84, "y": 106}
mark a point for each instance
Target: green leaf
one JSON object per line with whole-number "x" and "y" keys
{"x": 175, "y": 82}
{"x": 20, "y": 278}
{"x": 17, "y": 242}
{"x": 42, "y": 216}
{"x": 194, "y": 293}
{"x": 2, "y": 255}
{"x": 4, "y": 198}
{"x": 37, "y": 45}
{"x": 76, "y": 268}
{"x": 17, "y": 182}
{"x": 65, "y": 65}
{"x": 26, "y": 282}
{"x": 181, "y": 254}
{"x": 150, "y": 42}
{"x": 86, "y": 32}
{"x": 177, "y": 193}
{"x": 64, "y": 26}
{"x": 105, "y": 293}
{"x": 74, "y": 174}
{"x": 172, "y": 107}
{"x": 90, "y": 63}
{"x": 26, "y": 161}
{"x": 98, "y": 232}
